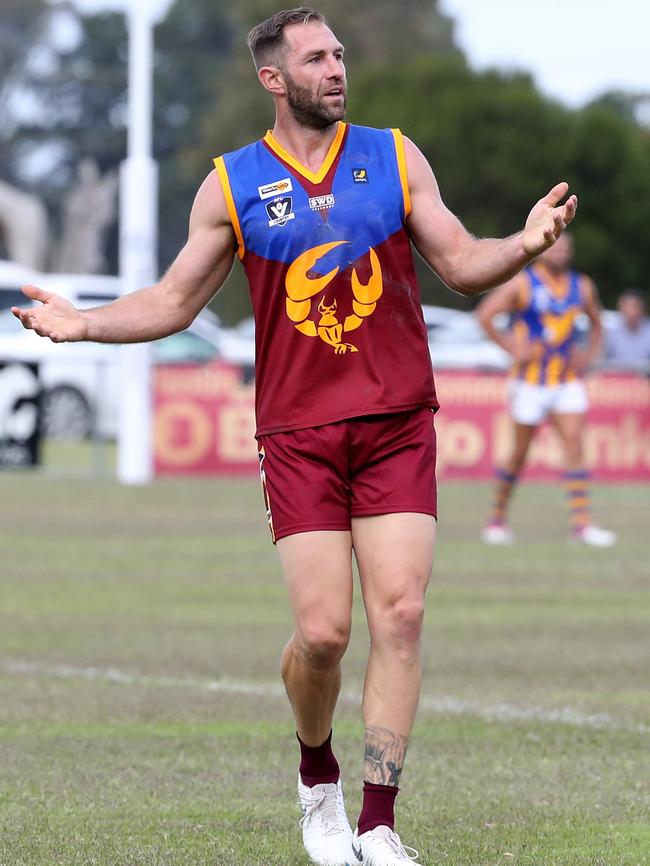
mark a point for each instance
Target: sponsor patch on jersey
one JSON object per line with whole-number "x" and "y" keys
{"x": 279, "y": 187}
{"x": 360, "y": 175}
{"x": 280, "y": 210}
{"x": 321, "y": 202}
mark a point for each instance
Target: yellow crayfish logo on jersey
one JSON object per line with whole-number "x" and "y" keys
{"x": 302, "y": 288}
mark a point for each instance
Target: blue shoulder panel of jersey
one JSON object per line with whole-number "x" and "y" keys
{"x": 280, "y": 220}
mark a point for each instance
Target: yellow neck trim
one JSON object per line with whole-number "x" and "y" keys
{"x": 314, "y": 177}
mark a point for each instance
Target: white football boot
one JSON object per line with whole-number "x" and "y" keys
{"x": 382, "y": 847}
{"x": 594, "y": 536}
{"x": 497, "y": 533}
{"x": 326, "y": 831}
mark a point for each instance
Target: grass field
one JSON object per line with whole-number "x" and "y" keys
{"x": 142, "y": 720}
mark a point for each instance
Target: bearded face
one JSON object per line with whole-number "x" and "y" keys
{"x": 315, "y": 110}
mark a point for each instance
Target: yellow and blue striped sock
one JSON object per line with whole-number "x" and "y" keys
{"x": 505, "y": 481}
{"x": 577, "y": 486}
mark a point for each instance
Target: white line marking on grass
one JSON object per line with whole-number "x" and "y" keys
{"x": 508, "y": 713}
{"x": 113, "y": 675}
{"x": 444, "y": 705}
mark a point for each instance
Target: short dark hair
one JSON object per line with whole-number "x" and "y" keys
{"x": 266, "y": 38}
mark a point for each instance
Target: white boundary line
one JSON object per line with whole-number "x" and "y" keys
{"x": 444, "y": 705}
{"x": 114, "y": 675}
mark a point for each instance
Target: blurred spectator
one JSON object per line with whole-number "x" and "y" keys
{"x": 544, "y": 301}
{"x": 628, "y": 343}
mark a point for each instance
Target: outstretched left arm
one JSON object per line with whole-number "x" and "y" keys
{"x": 469, "y": 265}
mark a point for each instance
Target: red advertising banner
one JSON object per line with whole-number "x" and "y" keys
{"x": 204, "y": 421}
{"x": 474, "y": 429}
{"x": 204, "y": 424}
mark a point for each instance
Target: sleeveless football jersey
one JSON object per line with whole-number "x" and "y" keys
{"x": 339, "y": 330}
{"x": 547, "y": 319}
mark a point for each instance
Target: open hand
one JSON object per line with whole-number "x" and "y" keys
{"x": 548, "y": 219}
{"x": 57, "y": 318}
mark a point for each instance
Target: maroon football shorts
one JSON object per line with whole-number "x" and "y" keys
{"x": 321, "y": 477}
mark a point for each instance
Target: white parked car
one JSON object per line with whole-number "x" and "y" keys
{"x": 72, "y": 375}
{"x": 12, "y": 277}
{"x": 456, "y": 340}
{"x": 81, "y": 380}
{"x": 84, "y": 290}
{"x": 238, "y": 344}
{"x": 439, "y": 318}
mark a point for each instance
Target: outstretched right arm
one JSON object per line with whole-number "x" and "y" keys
{"x": 170, "y": 305}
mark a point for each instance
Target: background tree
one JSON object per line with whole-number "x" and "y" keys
{"x": 374, "y": 32}
{"x": 22, "y": 23}
{"x": 65, "y": 99}
{"x": 496, "y": 144}
{"x": 610, "y": 160}
{"x": 193, "y": 49}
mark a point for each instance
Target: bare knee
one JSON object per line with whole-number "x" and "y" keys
{"x": 399, "y": 622}
{"x": 320, "y": 644}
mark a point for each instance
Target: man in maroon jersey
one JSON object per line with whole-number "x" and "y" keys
{"x": 358, "y": 477}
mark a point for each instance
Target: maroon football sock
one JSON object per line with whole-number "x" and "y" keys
{"x": 318, "y": 766}
{"x": 378, "y": 807}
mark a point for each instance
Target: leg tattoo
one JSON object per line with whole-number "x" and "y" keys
{"x": 384, "y": 756}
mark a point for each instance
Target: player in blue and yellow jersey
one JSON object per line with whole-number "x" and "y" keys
{"x": 544, "y": 301}
{"x": 321, "y": 214}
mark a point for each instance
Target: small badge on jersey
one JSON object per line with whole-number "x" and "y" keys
{"x": 280, "y": 210}
{"x": 360, "y": 175}
{"x": 321, "y": 202}
{"x": 269, "y": 190}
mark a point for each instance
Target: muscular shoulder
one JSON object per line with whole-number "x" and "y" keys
{"x": 210, "y": 208}
{"x": 419, "y": 169}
